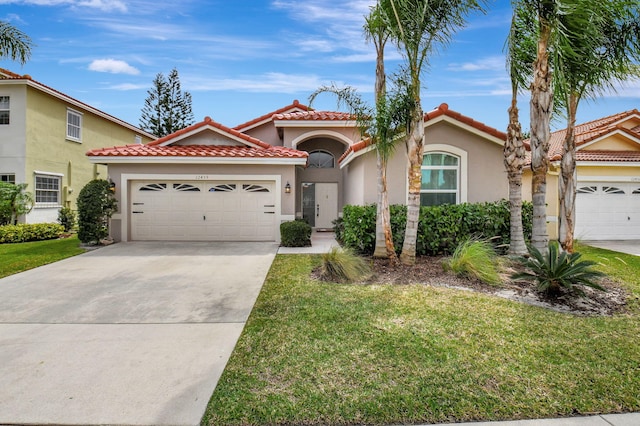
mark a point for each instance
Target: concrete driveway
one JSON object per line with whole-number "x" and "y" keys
{"x": 130, "y": 334}
{"x": 623, "y": 246}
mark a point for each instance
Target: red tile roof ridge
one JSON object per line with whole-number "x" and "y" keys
{"x": 295, "y": 104}
{"x": 358, "y": 146}
{"x": 316, "y": 116}
{"x": 230, "y": 151}
{"x": 443, "y": 109}
{"x": 209, "y": 122}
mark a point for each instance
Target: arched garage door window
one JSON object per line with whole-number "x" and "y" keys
{"x": 440, "y": 179}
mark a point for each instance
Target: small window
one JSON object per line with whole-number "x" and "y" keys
{"x": 321, "y": 159}
{"x": 154, "y": 187}
{"x": 255, "y": 188}
{"x": 225, "y": 187}
{"x": 612, "y": 190}
{"x": 440, "y": 176}
{"x": 637, "y": 191}
{"x": 74, "y": 125}
{"x": 47, "y": 190}
{"x": 587, "y": 190}
{"x": 4, "y": 110}
{"x": 8, "y": 178}
{"x": 138, "y": 140}
{"x": 185, "y": 187}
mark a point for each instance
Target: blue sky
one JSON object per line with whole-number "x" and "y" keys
{"x": 241, "y": 59}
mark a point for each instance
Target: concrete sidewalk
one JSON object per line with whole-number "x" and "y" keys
{"x": 321, "y": 242}
{"x": 628, "y": 419}
{"x": 622, "y": 246}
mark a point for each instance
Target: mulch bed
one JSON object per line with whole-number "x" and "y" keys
{"x": 429, "y": 271}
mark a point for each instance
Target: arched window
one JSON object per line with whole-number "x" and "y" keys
{"x": 321, "y": 159}
{"x": 440, "y": 179}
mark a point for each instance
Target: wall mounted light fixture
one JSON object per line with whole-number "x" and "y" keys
{"x": 287, "y": 188}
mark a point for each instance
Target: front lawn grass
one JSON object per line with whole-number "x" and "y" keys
{"x": 19, "y": 257}
{"x": 315, "y": 353}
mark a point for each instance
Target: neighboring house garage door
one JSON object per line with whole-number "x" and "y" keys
{"x": 608, "y": 211}
{"x": 203, "y": 211}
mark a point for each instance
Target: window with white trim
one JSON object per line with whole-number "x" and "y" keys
{"x": 47, "y": 190}
{"x": 440, "y": 179}
{"x": 74, "y": 125}
{"x": 8, "y": 178}
{"x": 5, "y": 110}
{"x": 321, "y": 159}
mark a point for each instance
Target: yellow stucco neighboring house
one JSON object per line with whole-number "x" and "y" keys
{"x": 44, "y": 136}
{"x": 608, "y": 169}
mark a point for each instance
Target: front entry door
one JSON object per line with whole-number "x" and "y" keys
{"x": 320, "y": 204}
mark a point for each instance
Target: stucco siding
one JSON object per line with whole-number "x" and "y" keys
{"x": 266, "y": 132}
{"x": 614, "y": 143}
{"x": 12, "y": 150}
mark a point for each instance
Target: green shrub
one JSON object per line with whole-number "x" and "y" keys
{"x": 558, "y": 269}
{"x": 96, "y": 204}
{"x": 296, "y": 233}
{"x": 475, "y": 259}
{"x": 440, "y": 229}
{"x": 67, "y": 218}
{"x": 343, "y": 265}
{"x": 24, "y": 232}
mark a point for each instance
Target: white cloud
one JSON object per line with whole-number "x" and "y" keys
{"x": 125, "y": 87}
{"x": 104, "y": 5}
{"x": 265, "y": 83}
{"x": 491, "y": 63}
{"x": 113, "y": 66}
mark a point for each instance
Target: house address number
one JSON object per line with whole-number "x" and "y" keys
{"x": 202, "y": 177}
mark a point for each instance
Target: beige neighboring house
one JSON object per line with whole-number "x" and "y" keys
{"x": 44, "y": 136}
{"x": 608, "y": 169}
{"x": 209, "y": 182}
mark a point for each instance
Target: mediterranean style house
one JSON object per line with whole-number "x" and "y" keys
{"x": 608, "y": 169}
{"x": 44, "y": 135}
{"x": 215, "y": 183}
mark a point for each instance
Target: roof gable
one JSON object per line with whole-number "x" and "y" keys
{"x": 296, "y": 106}
{"x": 443, "y": 113}
{"x": 209, "y": 132}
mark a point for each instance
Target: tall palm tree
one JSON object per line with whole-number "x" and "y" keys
{"x": 14, "y": 44}
{"x": 376, "y": 32}
{"x": 603, "y": 47}
{"x": 419, "y": 27}
{"x": 514, "y": 151}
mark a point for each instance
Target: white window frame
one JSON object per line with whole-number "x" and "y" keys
{"x": 5, "y": 109}
{"x": 54, "y": 177}
{"x": 8, "y": 178}
{"x": 74, "y": 131}
{"x": 463, "y": 166}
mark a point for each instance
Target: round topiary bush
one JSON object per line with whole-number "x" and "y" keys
{"x": 96, "y": 204}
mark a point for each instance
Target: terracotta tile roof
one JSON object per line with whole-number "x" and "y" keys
{"x": 590, "y": 131}
{"x": 209, "y": 122}
{"x": 359, "y": 146}
{"x": 443, "y": 109}
{"x": 295, "y": 105}
{"x": 315, "y": 116}
{"x": 9, "y": 75}
{"x": 613, "y": 156}
{"x": 203, "y": 151}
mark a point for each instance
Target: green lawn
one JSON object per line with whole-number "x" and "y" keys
{"x": 314, "y": 353}
{"x": 19, "y": 257}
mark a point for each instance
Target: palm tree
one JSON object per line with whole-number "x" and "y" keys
{"x": 514, "y": 151}
{"x": 419, "y": 27}
{"x": 376, "y": 32}
{"x": 14, "y": 44}
{"x": 603, "y": 48}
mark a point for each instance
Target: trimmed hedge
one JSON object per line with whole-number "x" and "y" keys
{"x": 24, "y": 232}
{"x": 295, "y": 234}
{"x": 440, "y": 228}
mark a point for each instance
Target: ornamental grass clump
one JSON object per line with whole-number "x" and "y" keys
{"x": 343, "y": 265}
{"x": 475, "y": 259}
{"x": 559, "y": 270}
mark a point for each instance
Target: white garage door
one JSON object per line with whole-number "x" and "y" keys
{"x": 203, "y": 211}
{"x": 608, "y": 211}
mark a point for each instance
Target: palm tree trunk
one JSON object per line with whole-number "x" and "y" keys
{"x": 415, "y": 152}
{"x": 568, "y": 180}
{"x": 384, "y": 238}
{"x": 541, "y": 109}
{"x": 514, "y": 154}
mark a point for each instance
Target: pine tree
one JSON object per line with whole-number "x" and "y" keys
{"x": 167, "y": 108}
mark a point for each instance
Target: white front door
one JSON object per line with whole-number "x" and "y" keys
{"x": 320, "y": 204}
